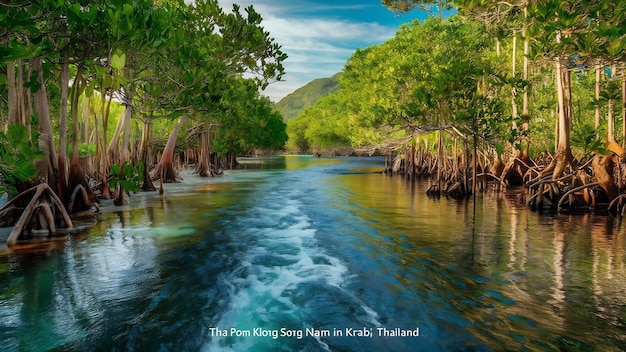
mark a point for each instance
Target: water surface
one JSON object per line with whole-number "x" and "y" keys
{"x": 316, "y": 254}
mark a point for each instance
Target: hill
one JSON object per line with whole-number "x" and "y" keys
{"x": 303, "y": 97}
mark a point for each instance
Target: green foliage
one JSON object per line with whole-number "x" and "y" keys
{"x": 85, "y": 149}
{"x": 426, "y": 76}
{"x": 165, "y": 59}
{"x": 450, "y": 71}
{"x": 128, "y": 177}
{"x": 17, "y": 157}
{"x": 400, "y": 6}
{"x": 325, "y": 130}
{"x": 447, "y": 73}
{"x": 246, "y": 121}
{"x": 297, "y": 142}
{"x": 293, "y": 104}
{"x": 586, "y": 138}
{"x": 590, "y": 30}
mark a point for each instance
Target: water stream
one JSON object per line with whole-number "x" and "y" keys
{"x": 318, "y": 254}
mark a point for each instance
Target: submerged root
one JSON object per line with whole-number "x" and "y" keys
{"x": 120, "y": 196}
{"x": 434, "y": 191}
{"x": 564, "y": 184}
{"x": 82, "y": 197}
{"x": 81, "y": 200}
{"x": 487, "y": 175}
{"x": 545, "y": 189}
{"x": 618, "y": 205}
{"x": 569, "y": 196}
{"x": 458, "y": 190}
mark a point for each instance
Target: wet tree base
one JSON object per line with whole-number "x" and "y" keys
{"x": 563, "y": 184}
{"x": 44, "y": 213}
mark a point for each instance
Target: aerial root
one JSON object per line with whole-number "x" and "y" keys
{"x": 42, "y": 206}
{"x": 569, "y": 195}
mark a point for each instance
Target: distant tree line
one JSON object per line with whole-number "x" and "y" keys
{"x": 514, "y": 91}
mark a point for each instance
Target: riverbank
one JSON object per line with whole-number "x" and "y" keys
{"x": 86, "y": 219}
{"x": 322, "y": 244}
{"x": 190, "y": 183}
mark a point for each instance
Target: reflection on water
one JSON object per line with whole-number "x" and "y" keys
{"x": 301, "y": 243}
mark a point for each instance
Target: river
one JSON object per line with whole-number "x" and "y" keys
{"x": 295, "y": 253}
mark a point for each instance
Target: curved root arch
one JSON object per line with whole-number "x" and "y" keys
{"x": 40, "y": 208}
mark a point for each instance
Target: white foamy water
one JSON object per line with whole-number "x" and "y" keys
{"x": 282, "y": 264}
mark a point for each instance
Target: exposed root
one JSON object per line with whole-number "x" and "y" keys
{"x": 563, "y": 184}
{"x": 618, "y": 204}
{"x": 40, "y": 208}
{"x": 495, "y": 177}
{"x": 120, "y": 196}
{"x": 569, "y": 195}
{"x": 545, "y": 189}
{"x": 80, "y": 195}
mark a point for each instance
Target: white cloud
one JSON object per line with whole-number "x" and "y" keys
{"x": 317, "y": 47}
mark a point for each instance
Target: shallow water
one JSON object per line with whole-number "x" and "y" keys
{"x": 309, "y": 254}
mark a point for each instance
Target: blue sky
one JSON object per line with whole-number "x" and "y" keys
{"x": 320, "y": 35}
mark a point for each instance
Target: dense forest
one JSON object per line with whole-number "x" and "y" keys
{"x": 499, "y": 93}
{"x": 99, "y": 98}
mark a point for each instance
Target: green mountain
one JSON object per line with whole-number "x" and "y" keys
{"x": 305, "y": 96}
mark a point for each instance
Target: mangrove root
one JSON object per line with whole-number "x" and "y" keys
{"x": 569, "y": 195}
{"x": 81, "y": 200}
{"x": 121, "y": 196}
{"x": 619, "y": 204}
{"x": 40, "y": 209}
{"x": 603, "y": 173}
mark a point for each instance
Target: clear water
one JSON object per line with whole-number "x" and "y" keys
{"x": 308, "y": 254}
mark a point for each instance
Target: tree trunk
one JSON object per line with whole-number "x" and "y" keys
{"x": 474, "y": 163}
{"x": 597, "y": 97}
{"x": 82, "y": 197}
{"x": 525, "y": 69}
{"x": 203, "y": 166}
{"x": 411, "y": 166}
{"x": 498, "y": 45}
{"x": 19, "y": 109}
{"x": 232, "y": 161}
{"x": 610, "y": 122}
{"x": 39, "y": 192}
{"x": 24, "y": 96}
{"x": 125, "y": 147}
{"x": 466, "y": 164}
{"x": 102, "y": 160}
{"x": 65, "y": 86}
{"x": 165, "y": 169}
{"x": 525, "y": 110}
{"x": 440, "y": 160}
{"x": 76, "y": 92}
{"x": 12, "y": 88}
{"x": 513, "y": 89}
{"x": 118, "y": 153}
{"x": 603, "y": 173}
{"x": 624, "y": 108}
{"x": 563, "y": 153}
{"x": 46, "y": 140}
{"x": 86, "y": 110}
{"x": 145, "y": 154}
{"x": 113, "y": 150}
